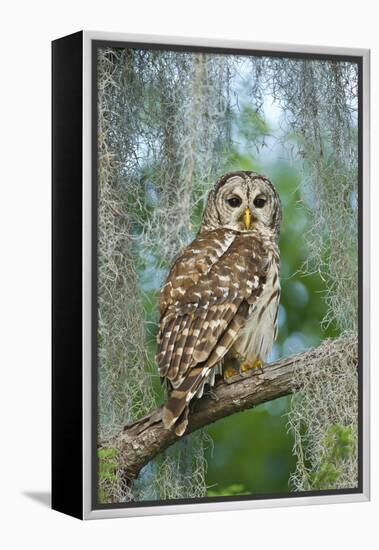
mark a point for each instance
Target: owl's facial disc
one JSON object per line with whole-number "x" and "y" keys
{"x": 243, "y": 201}
{"x": 234, "y": 206}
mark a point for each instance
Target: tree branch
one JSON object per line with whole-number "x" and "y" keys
{"x": 141, "y": 441}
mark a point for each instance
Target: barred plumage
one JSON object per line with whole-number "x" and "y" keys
{"x": 222, "y": 294}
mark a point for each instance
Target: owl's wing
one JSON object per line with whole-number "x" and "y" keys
{"x": 205, "y": 302}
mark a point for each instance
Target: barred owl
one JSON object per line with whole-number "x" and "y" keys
{"x": 219, "y": 305}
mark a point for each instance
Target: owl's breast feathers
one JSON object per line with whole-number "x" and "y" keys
{"x": 210, "y": 293}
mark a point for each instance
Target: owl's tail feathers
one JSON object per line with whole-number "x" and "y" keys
{"x": 176, "y": 410}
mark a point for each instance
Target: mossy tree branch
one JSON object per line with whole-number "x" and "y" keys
{"x": 140, "y": 442}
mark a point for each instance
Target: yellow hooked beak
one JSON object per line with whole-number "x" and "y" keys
{"x": 247, "y": 218}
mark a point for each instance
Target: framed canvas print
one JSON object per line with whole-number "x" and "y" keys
{"x": 210, "y": 275}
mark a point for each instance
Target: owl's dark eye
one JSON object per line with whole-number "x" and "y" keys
{"x": 259, "y": 202}
{"x": 234, "y": 202}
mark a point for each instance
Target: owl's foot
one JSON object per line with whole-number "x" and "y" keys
{"x": 237, "y": 367}
{"x": 251, "y": 366}
{"x": 231, "y": 370}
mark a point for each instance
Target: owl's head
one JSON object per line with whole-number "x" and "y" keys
{"x": 243, "y": 201}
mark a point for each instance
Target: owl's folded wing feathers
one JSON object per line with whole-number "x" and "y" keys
{"x": 206, "y": 300}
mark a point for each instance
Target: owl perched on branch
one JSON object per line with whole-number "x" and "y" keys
{"x": 219, "y": 306}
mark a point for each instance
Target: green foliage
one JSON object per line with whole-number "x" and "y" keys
{"x": 231, "y": 490}
{"x": 251, "y": 449}
{"x": 107, "y": 461}
{"x": 252, "y": 126}
{"x": 338, "y": 444}
{"x": 323, "y": 420}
